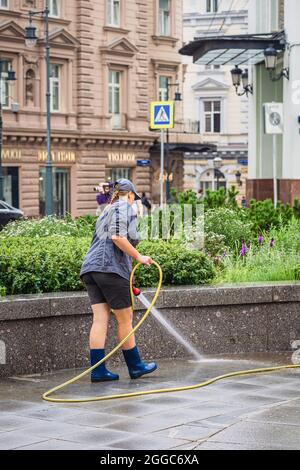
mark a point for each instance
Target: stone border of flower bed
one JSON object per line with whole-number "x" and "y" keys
{"x": 42, "y": 333}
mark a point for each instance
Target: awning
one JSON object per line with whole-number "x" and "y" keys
{"x": 237, "y": 50}
{"x": 200, "y": 148}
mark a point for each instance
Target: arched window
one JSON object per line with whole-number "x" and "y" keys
{"x": 212, "y": 179}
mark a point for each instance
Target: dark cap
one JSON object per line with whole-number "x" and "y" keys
{"x": 127, "y": 186}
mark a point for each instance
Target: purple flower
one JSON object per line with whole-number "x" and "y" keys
{"x": 272, "y": 243}
{"x": 244, "y": 249}
{"x": 261, "y": 240}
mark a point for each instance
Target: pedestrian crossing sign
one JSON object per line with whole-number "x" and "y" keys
{"x": 162, "y": 115}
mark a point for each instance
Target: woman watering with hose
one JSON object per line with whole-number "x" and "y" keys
{"x": 106, "y": 273}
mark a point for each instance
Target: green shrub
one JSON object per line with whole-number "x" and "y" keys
{"x": 221, "y": 198}
{"x": 2, "y": 291}
{"x": 263, "y": 215}
{"x": 166, "y": 224}
{"x": 86, "y": 224}
{"x": 180, "y": 266}
{"x": 215, "y": 246}
{"x": 52, "y": 264}
{"x": 296, "y": 208}
{"x": 34, "y": 265}
{"x": 50, "y": 226}
{"x": 232, "y": 225}
{"x": 187, "y": 198}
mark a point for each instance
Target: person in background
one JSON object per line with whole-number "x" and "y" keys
{"x": 244, "y": 202}
{"x": 104, "y": 197}
{"x": 200, "y": 194}
{"x": 146, "y": 204}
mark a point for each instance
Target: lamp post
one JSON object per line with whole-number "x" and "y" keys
{"x": 10, "y": 78}
{"x": 31, "y": 41}
{"x": 177, "y": 98}
{"x": 218, "y": 162}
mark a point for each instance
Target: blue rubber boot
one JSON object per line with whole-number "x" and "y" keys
{"x": 136, "y": 367}
{"x": 100, "y": 374}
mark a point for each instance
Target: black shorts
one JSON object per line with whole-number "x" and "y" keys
{"x": 108, "y": 288}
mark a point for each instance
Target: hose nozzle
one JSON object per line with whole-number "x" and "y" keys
{"x": 136, "y": 291}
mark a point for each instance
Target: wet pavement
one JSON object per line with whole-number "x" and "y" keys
{"x": 257, "y": 412}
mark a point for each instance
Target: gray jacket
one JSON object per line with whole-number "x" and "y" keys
{"x": 104, "y": 256}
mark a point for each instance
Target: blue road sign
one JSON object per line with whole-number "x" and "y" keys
{"x": 162, "y": 115}
{"x": 143, "y": 162}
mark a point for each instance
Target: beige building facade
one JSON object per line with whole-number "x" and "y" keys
{"x": 109, "y": 60}
{"x": 211, "y": 103}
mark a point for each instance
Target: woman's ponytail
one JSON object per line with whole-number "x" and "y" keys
{"x": 115, "y": 197}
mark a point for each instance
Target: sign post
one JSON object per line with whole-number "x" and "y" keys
{"x": 274, "y": 126}
{"x": 162, "y": 166}
{"x": 162, "y": 117}
{"x": 275, "y": 170}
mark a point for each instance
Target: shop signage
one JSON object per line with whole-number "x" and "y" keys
{"x": 121, "y": 157}
{"x": 11, "y": 154}
{"x": 58, "y": 156}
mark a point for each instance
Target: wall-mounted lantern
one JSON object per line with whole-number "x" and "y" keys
{"x": 271, "y": 60}
{"x": 241, "y": 77}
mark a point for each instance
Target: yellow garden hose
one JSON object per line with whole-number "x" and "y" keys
{"x": 47, "y": 395}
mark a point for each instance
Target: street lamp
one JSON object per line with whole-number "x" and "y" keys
{"x": 271, "y": 60}
{"x": 31, "y": 41}
{"x": 241, "y": 77}
{"x": 218, "y": 162}
{"x": 10, "y": 77}
{"x": 178, "y": 98}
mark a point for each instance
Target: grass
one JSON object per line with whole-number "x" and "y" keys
{"x": 266, "y": 264}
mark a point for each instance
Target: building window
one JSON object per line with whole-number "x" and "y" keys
{"x": 55, "y": 87}
{"x": 61, "y": 191}
{"x": 212, "y": 6}
{"x": 164, "y": 17}
{"x": 114, "y": 12}
{"x": 115, "y": 97}
{"x": 54, "y": 8}
{"x": 4, "y": 4}
{"x": 115, "y": 174}
{"x": 163, "y": 88}
{"x": 212, "y": 67}
{"x": 212, "y": 117}
{"x": 11, "y": 185}
{"x": 4, "y": 85}
{"x": 212, "y": 181}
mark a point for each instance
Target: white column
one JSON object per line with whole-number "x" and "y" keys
{"x": 253, "y": 171}
{"x": 254, "y": 26}
{"x": 291, "y": 138}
